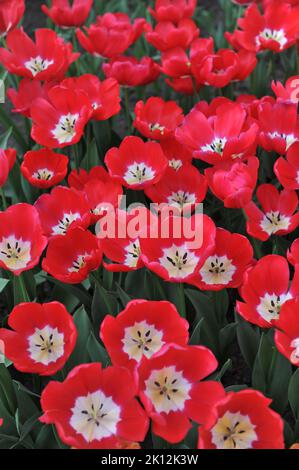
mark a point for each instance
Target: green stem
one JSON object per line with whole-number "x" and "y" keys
{"x": 21, "y": 294}
{"x": 76, "y": 157}
{"x": 3, "y": 199}
{"x": 127, "y": 107}
{"x": 8, "y": 122}
{"x": 182, "y": 300}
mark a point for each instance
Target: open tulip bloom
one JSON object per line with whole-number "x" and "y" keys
{"x": 149, "y": 227}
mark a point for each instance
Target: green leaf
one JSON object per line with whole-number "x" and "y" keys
{"x": 218, "y": 375}
{"x": 4, "y": 138}
{"x": 221, "y": 304}
{"x": 124, "y": 297}
{"x": 81, "y": 294}
{"x": 195, "y": 338}
{"x": 226, "y": 337}
{"x": 7, "y": 392}
{"x": 209, "y": 328}
{"x": 293, "y": 394}
{"x": 80, "y": 354}
{"x": 96, "y": 351}
{"x": 3, "y": 283}
{"x": 248, "y": 338}
{"x": 271, "y": 372}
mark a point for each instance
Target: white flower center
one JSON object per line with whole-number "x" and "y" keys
{"x": 43, "y": 174}
{"x": 181, "y": 199}
{"x": 274, "y": 221}
{"x": 132, "y": 254}
{"x": 277, "y": 35}
{"x": 179, "y": 261}
{"x": 217, "y": 146}
{"x": 157, "y": 127}
{"x": 289, "y": 138}
{"x": 46, "y": 345}
{"x": 167, "y": 389}
{"x": 15, "y": 253}
{"x": 78, "y": 264}
{"x": 64, "y": 223}
{"x": 37, "y": 64}
{"x": 95, "y": 416}
{"x": 234, "y": 431}
{"x": 142, "y": 339}
{"x": 295, "y": 354}
{"x": 65, "y": 130}
{"x": 138, "y": 173}
{"x": 270, "y": 305}
{"x": 217, "y": 270}
{"x": 175, "y": 164}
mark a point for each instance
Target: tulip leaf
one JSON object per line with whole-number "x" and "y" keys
{"x": 7, "y": 392}
{"x": 293, "y": 393}
{"x": 3, "y": 283}
{"x": 80, "y": 354}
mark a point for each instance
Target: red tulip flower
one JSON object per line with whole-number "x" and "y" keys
{"x": 136, "y": 164}
{"x": 226, "y": 136}
{"x": 11, "y": 12}
{"x": 68, "y": 14}
{"x": 157, "y": 119}
{"x": 48, "y": 58}
{"x": 177, "y": 154}
{"x": 233, "y": 183}
{"x": 264, "y": 293}
{"x": 100, "y": 190}
{"x": 120, "y": 246}
{"x": 141, "y": 330}
{"x": 173, "y": 10}
{"x": 44, "y": 168}
{"x": 287, "y": 170}
{"x": 60, "y": 120}
{"x": 79, "y": 178}
{"x": 279, "y": 126}
{"x": 289, "y": 92}
{"x": 131, "y": 72}
{"x": 41, "y": 339}
{"x": 177, "y": 257}
{"x": 275, "y": 29}
{"x": 243, "y": 420}
{"x": 293, "y": 253}
{"x": 28, "y": 91}
{"x": 182, "y": 189}
{"x": 70, "y": 258}
{"x": 104, "y": 96}
{"x": 21, "y": 238}
{"x": 7, "y": 161}
{"x": 224, "y": 66}
{"x": 61, "y": 210}
{"x": 172, "y": 392}
{"x": 179, "y": 64}
{"x": 287, "y": 332}
{"x": 95, "y": 408}
{"x": 277, "y": 215}
{"x": 112, "y": 34}
{"x": 168, "y": 35}
{"x": 225, "y": 267}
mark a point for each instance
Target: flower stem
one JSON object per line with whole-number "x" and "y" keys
{"x": 3, "y": 199}
{"x": 20, "y": 291}
{"x": 127, "y": 107}
{"x": 181, "y": 300}
{"x": 76, "y": 157}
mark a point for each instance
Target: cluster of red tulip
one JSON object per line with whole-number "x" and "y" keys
{"x": 131, "y": 338}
